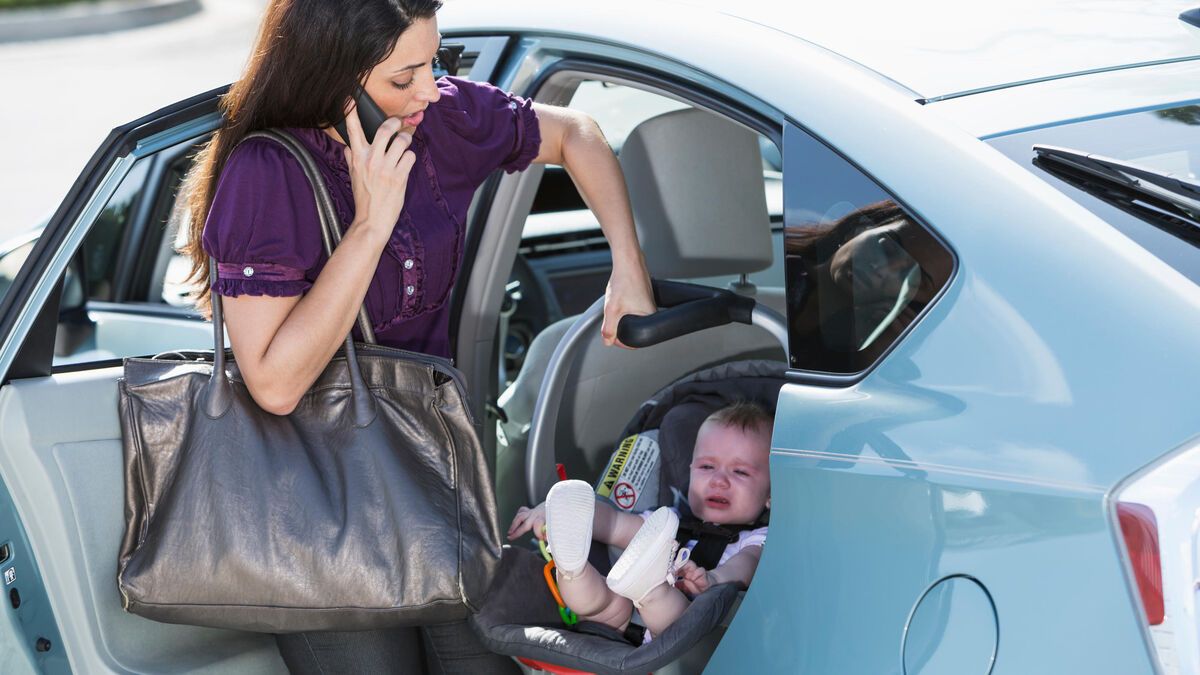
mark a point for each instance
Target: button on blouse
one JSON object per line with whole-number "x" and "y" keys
{"x": 264, "y": 232}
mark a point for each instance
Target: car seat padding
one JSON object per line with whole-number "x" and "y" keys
{"x": 677, "y": 411}
{"x": 520, "y": 618}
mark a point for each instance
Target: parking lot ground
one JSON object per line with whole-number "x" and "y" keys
{"x": 61, "y": 97}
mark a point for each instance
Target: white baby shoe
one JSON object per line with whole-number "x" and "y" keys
{"x": 569, "y": 512}
{"x": 649, "y": 561}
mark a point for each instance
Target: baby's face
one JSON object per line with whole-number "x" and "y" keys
{"x": 731, "y": 480}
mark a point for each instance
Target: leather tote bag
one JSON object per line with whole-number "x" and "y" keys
{"x": 369, "y": 506}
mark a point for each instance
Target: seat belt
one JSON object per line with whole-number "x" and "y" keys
{"x": 711, "y": 539}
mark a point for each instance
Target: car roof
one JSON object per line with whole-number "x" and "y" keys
{"x": 941, "y": 48}
{"x": 945, "y": 48}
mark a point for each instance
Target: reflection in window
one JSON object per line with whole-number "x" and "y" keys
{"x": 859, "y": 267}
{"x": 1160, "y": 140}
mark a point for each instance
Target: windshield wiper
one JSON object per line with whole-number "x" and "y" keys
{"x": 1164, "y": 200}
{"x": 1182, "y": 193}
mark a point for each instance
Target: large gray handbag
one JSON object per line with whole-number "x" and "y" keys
{"x": 371, "y": 505}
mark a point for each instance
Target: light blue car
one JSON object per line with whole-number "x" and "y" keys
{"x": 972, "y": 238}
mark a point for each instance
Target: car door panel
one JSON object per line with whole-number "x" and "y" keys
{"x": 29, "y": 637}
{"x": 119, "y": 333}
{"x": 71, "y": 478}
{"x": 61, "y": 456}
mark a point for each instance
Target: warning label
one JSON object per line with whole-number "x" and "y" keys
{"x": 624, "y": 495}
{"x": 632, "y": 473}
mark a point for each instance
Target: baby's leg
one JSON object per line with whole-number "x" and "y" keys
{"x": 570, "y": 512}
{"x": 642, "y": 571}
{"x": 589, "y": 597}
{"x": 661, "y": 607}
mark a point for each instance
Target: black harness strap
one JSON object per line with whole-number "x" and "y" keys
{"x": 711, "y": 539}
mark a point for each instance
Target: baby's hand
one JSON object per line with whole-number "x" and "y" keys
{"x": 692, "y": 578}
{"x": 529, "y": 519}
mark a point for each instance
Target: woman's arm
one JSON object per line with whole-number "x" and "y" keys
{"x": 283, "y": 344}
{"x": 574, "y": 140}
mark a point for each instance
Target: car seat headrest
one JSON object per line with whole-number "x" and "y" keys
{"x": 675, "y": 414}
{"x": 696, "y": 186}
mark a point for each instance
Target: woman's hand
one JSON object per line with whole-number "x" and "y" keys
{"x": 378, "y": 173}
{"x": 628, "y": 292}
{"x": 693, "y": 579}
{"x": 529, "y": 519}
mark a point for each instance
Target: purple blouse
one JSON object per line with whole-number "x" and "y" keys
{"x": 264, "y": 232}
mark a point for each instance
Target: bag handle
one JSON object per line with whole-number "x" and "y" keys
{"x": 219, "y": 394}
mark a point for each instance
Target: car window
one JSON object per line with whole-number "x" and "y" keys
{"x": 102, "y": 248}
{"x": 131, "y": 300}
{"x": 1163, "y": 140}
{"x": 174, "y": 288}
{"x": 860, "y": 268}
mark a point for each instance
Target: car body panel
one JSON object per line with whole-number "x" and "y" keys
{"x": 933, "y": 49}
{"x": 1073, "y": 99}
{"x": 945, "y": 48}
{"x": 879, "y": 534}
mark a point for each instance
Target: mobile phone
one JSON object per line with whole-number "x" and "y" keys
{"x": 369, "y": 115}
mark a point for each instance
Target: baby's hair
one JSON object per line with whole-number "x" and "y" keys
{"x": 744, "y": 415}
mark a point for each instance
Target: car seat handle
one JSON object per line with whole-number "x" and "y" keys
{"x": 684, "y": 308}
{"x": 540, "y": 472}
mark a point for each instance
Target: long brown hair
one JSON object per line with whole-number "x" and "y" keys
{"x": 306, "y": 61}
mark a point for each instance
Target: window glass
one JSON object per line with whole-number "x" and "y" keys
{"x": 859, "y": 267}
{"x": 128, "y": 267}
{"x": 176, "y": 288}
{"x": 102, "y": 249}
{"x": 1165, "y": 141}
{"x": 618, "y": 109}
{"x": 13, "y": 258}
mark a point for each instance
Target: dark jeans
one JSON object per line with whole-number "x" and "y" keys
{"x": 439, "y": 649}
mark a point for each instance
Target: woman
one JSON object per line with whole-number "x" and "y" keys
{"x": 288, "y": 308}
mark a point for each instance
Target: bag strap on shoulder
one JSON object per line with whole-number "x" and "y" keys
{"x": 219, "y": 393}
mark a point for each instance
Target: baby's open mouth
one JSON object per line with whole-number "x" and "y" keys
{"x": 718, "y": 502}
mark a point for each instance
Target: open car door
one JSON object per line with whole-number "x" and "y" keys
{"x": 71, "y": 312}
{"x": 103, "y": 281}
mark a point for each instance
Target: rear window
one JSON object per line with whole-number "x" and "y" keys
{"x": 1166, "y": 140}
{"x": 860, "y": 268}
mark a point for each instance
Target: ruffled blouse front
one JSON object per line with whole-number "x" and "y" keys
{"x": 264, "y": 232}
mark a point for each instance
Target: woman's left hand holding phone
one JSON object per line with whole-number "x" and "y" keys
{"x": 283, "y": 344}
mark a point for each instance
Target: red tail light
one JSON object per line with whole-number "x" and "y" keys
{"x": 1140, "y": 530}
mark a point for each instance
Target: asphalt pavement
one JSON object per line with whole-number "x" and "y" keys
{"x": 60, "y": 98}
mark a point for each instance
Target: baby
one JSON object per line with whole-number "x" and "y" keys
{"x": 730, "y": 485}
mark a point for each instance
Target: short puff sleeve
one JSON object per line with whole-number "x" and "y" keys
{"x": 497, "y": 130}
{"x": 262, "y": 227}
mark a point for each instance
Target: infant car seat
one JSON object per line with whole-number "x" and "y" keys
{"x": 520, "y": 617}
